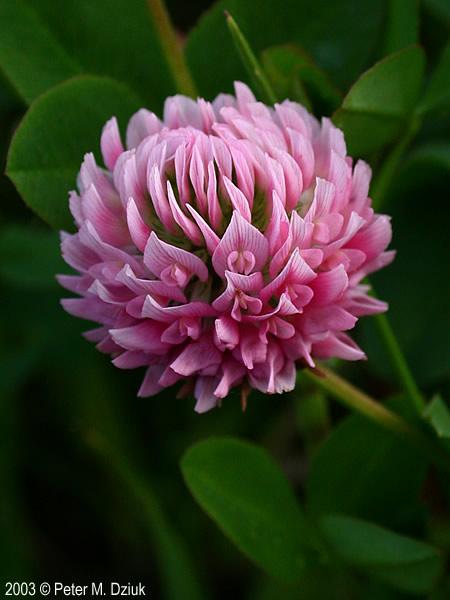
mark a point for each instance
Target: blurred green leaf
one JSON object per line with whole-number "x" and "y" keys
{"x": 244, "y": 491}
{"x": 102, "y": 424}
{"x": 402, "y": 562}
{"x": 324, "y": 29}
{"x": 180, "y": 580}
{"x": 435, "y": 154}
{"x": 30, "y": 257}
{"x": 30, "y": 56}
{"x": 375, "y": 109}
{"x": 317, "y": 583}
{"x": 437, "y": 94}
{"x": 440, "y": 8}
{"x": 295, "y": 76}
{"x": 42, "y": 45}
{"x": 364, "y": 471}
{"x": 438, "y": 414}
{"x": 402, "y": 24}
{"x": 59, "y": 128}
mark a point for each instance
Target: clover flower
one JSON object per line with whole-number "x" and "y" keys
{"x": 224, "y": 246}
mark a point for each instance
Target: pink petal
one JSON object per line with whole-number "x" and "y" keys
{"x": 210, "y": 237}
{"x": 296, "y": 271}
{"x": 240, "y": 236}
{"x": 204, "y": 394}
{"x": 110, "y": 143}
{"x": 159, "y": 255}
{"x": 339, "y": 345}
{"x": 153, "y": 310}
{"x": 150, "y": 385}
{"x": 185, "y": 224}
{"x": 131, "y": 359}
{"x": 145, "y": 336}
{"x": 138, "y": 229}
{"x": 238, "y": 200}
{"x": 227, "y": 333}
{"x": 141, "y": 125}
{"x": 196, "y": 357}
{"x": 329, "y": 286}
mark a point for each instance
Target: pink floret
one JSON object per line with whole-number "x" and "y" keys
{"x": 224, "y": 246}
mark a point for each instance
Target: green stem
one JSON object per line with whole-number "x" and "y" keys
{"x": 399, "y": 363}
{"x": 389, "y": 168}
{"x": 172, "y": 48}
{"x": 360, "y": 402}
{"x": 250, "y": 61}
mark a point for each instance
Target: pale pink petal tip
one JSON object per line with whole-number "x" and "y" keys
{"x": 226, "y": 246}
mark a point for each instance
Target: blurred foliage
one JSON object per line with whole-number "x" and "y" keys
{"x": 90, "y": 477}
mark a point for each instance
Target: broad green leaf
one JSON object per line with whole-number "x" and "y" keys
{"x": 30, "y": 56}
{"x": 30, "y": 257}
{"x": 42, "y": 44}
{"x": 402, "y": 562}
{"x": 364, "y": 471}
{"x": 377, "y": 106}
{"x": 402, "y": 26}
{"x": 438, "y": 414}
{"x": 245, "y": 492}
{"x": 324, "y": 29}
{"x": 295, "y": 76}
{"x": 60, "y": 127}
{"x": 437, "y": 94}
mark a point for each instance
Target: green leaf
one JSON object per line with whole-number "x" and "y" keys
{"x": 30, "y": 257}
{"x": 30, "y": 56}
{"x": 295, "y": 76}
{"x": 438, "y": 414}
{"x": 324, "y": 29}
{"x": 437, "y": 95}
{"x": 244, "y": 491}
{"x": 399, "y": 561}
{"x": 60, "y": 127}
{"x": 436, "y": 154}
{"x": 364, "y": 471}
{"x": 375, "y": 109}
{"x": 42, "y": 45}
{"x": 249, "y": 60}
{"x": 402, "y": 24}
{"x": 440, "y": 8}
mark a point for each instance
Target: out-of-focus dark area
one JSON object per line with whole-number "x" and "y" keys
{"x": 65, "y": 514}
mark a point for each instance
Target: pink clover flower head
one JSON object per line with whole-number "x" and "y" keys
{"x": 224, "y": 245}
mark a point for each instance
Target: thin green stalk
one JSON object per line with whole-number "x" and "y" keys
{"x": 250, "y": 61}
{"x": 399, "y": 363}
{"x": 172, "y": 48}
{"x": 360, "y": 402}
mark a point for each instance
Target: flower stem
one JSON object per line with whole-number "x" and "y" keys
{"x": 360, "y": 402}
{"x": 172, "y": 48}
{"x": 399, "y": 363}
{"x": 250, "y": 62}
